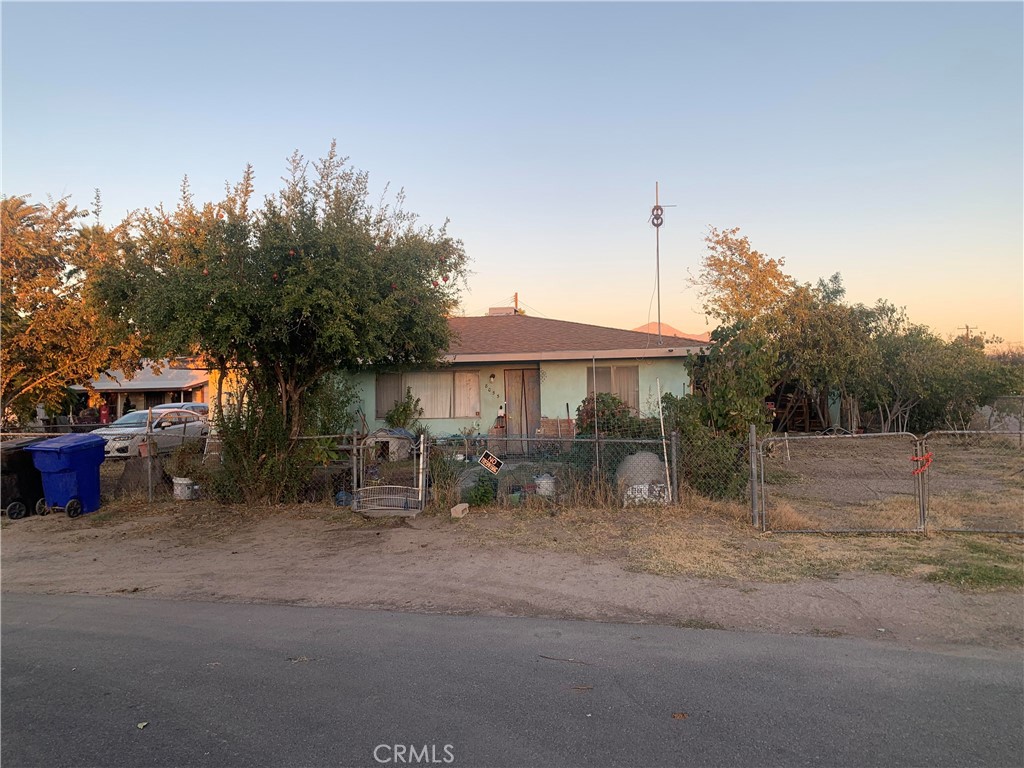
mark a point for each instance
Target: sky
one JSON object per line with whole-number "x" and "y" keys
{"x": 883, "y": 141}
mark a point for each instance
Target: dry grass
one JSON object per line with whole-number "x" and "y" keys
{"x": 976, "y": 510}
{"x": 698, "y": 538}
{"x": 716, "y": 541}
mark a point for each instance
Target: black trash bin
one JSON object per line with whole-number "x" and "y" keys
{"x": 21, "y": 484}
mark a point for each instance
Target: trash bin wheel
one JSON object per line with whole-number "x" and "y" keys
{"x": 41, "y": 508}
{"x": 73, "y": 508}
{"x": 16, "y": 510}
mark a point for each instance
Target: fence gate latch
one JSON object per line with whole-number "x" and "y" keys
{"x": 927, "y": 459}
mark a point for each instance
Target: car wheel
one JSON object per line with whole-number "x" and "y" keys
{"x": 73, "y": 508}
{"x": 16, "y": 510}
{"x": 41, "y": 508}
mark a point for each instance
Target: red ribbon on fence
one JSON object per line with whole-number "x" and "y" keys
{"x": 927, "y": 459}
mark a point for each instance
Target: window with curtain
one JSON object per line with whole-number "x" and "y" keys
{"x": 623, "y": 381}
{"x": 442, "y": 394}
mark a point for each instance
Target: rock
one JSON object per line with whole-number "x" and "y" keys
{"x": 643, "y": 468}
{"x": 460, "y": 510}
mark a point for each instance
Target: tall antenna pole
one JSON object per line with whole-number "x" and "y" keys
{"x": 656, "y": 220}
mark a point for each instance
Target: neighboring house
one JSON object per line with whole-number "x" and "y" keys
{"x": 525, "y": 376}
{"x": 173, "y": 384}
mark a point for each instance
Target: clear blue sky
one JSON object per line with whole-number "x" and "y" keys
{"x": 879, "y": 140}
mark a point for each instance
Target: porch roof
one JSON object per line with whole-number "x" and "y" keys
{"x": 146, "y": 380}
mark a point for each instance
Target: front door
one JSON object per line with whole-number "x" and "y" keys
{"x": 522, "y": 407}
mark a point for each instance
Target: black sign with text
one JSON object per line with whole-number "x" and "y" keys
{"x": 490, "y": 462}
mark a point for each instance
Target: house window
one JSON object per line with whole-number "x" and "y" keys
{"x": 623, "y": 381}
{"x": 442, "y": 394}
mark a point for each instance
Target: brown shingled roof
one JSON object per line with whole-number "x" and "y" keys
{"x": 522, "y": 335}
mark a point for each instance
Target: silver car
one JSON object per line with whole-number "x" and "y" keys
{"x": 170, "y": 429}
{"x": 202, "y": 409}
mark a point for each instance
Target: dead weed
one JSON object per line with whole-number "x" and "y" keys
{"x": 714, "y": 540}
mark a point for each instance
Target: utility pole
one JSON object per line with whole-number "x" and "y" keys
{"x": 967, "y": 328}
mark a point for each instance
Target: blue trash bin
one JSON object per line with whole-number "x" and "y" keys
{"x": 70, "y": 466}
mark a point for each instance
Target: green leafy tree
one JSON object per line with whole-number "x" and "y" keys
{"x": 826, "y": 348}
{"x": 735, "y": 376}
{"x": 777, "y": 332}
{"x": 316, "y": 281}
{"x": 909, "y": 361}
{"x": 965, "y": 380}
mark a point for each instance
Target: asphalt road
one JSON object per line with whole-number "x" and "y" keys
{"x": 222, "y": 684}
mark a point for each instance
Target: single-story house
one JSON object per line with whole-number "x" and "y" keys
{"x": 525, "y": 375}
{"x": 174, "y": 383}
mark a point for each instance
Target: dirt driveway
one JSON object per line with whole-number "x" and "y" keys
{"x": 607, "y": 566}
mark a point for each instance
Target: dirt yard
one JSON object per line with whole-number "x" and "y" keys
{"x": 707, "y": 570}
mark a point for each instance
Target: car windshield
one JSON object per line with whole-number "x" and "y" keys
{"x": 133, "y": 419}
{"x": 180, "y": 407}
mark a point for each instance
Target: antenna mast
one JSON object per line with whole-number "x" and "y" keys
{"x": 656, "y": 220}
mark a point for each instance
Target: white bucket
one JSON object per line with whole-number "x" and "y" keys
{"x": 545, "y": 485}
{"x": 185, "y": 488}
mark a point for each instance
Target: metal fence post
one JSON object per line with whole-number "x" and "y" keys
{"x": 920, "y": 450}
{"x": 150, "y": 445}
{"x": 675, "y": 465}
{"x": 752, "y": 449}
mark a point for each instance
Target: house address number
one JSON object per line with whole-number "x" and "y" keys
{"x": 490, "y": 462}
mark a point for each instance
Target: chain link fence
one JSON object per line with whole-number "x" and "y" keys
{"x": 579, "y": 471}
{"x": 1005, "y": 414}
{"x": 974, "y": 481}
{"x": 839, "y": 483}
{"x": 950, "y": 481}
{"x": 142, "y": 465}
{"x": 587, "y": 470}
{"x": 569, "y": 470}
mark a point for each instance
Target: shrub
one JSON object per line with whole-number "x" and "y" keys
{"x": 609, "y": 416}
{"x": 445, "y": 473}
{"x": 712, "y": 463}
{"x": 258, "y": 461}
{"x": 483, "y": 492}
{"x": 186, "y": 460}
{"x": 405, "y": 414}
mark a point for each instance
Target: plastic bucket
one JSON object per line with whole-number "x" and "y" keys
{"x": 185, "y": 488}
{"x": 545, "y": 485}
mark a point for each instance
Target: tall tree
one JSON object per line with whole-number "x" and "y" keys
{"x": 825, "y": 348}
{"x": 53, "y": 332}
{"x": 317, "y": 280}
{"x": 738, "y": 283}
{"x": 910, "y": 360}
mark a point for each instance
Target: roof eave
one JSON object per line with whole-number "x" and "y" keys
{"x": 656, "y": 353}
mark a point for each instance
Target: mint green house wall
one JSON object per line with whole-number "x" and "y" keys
{"x": 561, "y": 382}
{"x": 564, "y": 382}
{"x": 492, "y": 395}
